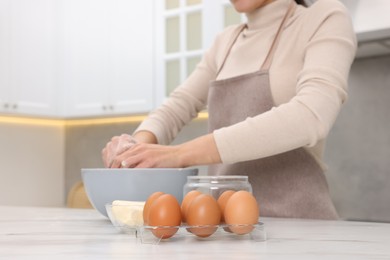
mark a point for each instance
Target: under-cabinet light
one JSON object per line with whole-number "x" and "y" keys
{"x": 31, "y": 121}
{"x": 78, "y": 122}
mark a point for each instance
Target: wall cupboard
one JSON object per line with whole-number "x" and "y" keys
{"x": 76, "y": 58}
{"x": 28, "y": 57}
{"x": 108, "y": 56}
{"x": 83, "y": 58}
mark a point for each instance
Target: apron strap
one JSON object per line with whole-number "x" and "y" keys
{"x": 268, "y": 60}
{"x": 240, "y": 29}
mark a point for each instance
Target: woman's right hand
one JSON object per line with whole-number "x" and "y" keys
{"x": 115, "y": 147}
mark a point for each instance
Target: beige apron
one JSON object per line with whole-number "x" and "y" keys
{"x": 290, "y": 184}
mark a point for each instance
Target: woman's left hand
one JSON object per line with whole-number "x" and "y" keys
{"x": 116, "y": 146}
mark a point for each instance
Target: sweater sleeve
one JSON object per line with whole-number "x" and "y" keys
{"x": 321, "y": 89}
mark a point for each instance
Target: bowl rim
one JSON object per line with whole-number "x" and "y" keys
{"x": 139, "y": 169}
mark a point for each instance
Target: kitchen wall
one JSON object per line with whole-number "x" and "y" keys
{"x": 359, "y": 146}
{"x": 32, "y": 164}
{"x": 358, "y": 149}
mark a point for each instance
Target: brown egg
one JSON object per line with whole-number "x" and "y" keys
{"x": 148, "y": 203}
{"x": 203, "y": 210}
{"x": 165, "y": 211}
{"x": 187, "y": 201}
{"x": 222, "y": 200}
{"x": 241, "y": 208}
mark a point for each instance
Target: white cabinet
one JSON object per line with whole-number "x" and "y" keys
{"x": 76, "y": 58}
{"x": 27, "y": 57}
{"x": 372, "y": 26}
{"x": 108, "y": 56}
{"x": 370, "y": 15}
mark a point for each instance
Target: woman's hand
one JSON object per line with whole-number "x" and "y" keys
{"x": 117, "y": 146}
{"x": 200, "y": 151}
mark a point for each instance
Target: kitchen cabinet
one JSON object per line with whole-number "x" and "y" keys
{"x": 76, "y": 58}
{"x": 108, "y": 57}
{"x": 372, "y": 26}
{"x": 27, "y": 57}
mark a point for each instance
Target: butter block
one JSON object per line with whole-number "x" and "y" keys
{"x": 128, "y": 212}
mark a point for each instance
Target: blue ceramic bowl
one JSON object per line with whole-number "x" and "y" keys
{"x": 103, "y": 186}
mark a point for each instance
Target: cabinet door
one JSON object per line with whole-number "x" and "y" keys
{"x": 4, "y": 53}
{"x": 108, "y": 56}
{"x": 85, "y": 35}
{"x": 131, "y": 75}
{"x": 28, "y": 60}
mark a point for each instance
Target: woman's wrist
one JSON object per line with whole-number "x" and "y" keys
{"x": 200, "y": 151}
{"x": 145, "y": 137}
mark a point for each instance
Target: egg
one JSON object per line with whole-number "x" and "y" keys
{"x": 222, "y": 200}
{"x": 148, "y": 203}
{"x": 203, "y": 210}
{"x": 164, "y": 211}
{"x": 241, "y": 209}
{"x": 187, "y": 201}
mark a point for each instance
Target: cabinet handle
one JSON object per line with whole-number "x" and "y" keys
{"x": 108, "y": 107}
{"x": 6, "y": 105}
{"x": 15, "y": 106}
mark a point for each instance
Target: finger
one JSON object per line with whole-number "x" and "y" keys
{"x": 107, "y": 156}
{"x": 117, "y": 146}
{"x": 125, "y": 145}
{"x": 123, "y": 148}
{"x": 110, "y": 163}
{"x": 129, "y": 162}
{"x": 116, "y": 163}
{"x": 110, "y": 154}
{"x": 103, "y": 154}
{"x": 124, "y": 155}
{"x": 125, "y": 165}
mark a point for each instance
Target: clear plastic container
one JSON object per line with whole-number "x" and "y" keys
{"x": 146, "y": 234}
{"x": 216, "y": 185}
{"x": 212, "y": 185}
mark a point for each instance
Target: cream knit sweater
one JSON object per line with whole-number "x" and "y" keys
{"x": 308, "y": 80}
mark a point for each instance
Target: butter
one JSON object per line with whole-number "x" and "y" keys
{"x": 129, "y": 213}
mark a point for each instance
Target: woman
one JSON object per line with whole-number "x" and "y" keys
{"x": 273, "y": 89}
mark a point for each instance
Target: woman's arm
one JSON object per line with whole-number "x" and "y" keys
{"x": 163, "y": 124}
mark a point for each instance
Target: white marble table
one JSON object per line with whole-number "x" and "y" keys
{"x": 61, "y": 233}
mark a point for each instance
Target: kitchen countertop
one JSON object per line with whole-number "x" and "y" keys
{"x": 56, "y": 233}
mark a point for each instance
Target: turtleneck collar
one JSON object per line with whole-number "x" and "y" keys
{"x": 267, "y": 16}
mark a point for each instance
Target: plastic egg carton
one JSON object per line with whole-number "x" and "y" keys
{"x": 146, "y": 234}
